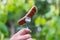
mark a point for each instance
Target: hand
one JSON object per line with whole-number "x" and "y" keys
{"x": 23, "y": 34}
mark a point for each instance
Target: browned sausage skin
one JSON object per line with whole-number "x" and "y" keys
{"x": 29, "y": 14}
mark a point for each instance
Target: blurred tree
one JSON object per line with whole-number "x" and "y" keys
{"x": 43, "y": 6}
{"x": 49, "y": 10}
{"x": 17, "y": 9}
{"x": 3, "y": 19}
{"x": 46, "y": 19}
{"x": 13, "y": 10}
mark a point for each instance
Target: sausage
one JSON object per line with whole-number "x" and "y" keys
{"x": 29, "y": 14}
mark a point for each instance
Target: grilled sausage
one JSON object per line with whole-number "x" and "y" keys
{"x": 29, "y": 14}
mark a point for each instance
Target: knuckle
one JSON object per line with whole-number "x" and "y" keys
{"x": 28, "y": 35}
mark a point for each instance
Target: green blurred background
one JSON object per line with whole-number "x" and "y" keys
{"x": 45, "y": 24}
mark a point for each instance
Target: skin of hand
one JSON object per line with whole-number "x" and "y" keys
{"x": 23, "y": 34}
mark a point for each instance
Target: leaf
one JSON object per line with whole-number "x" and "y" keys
{"x": 31, "y": 2}
{"x": 37, "y": 21}
{"x": 3, "y": 29}
{"x": 10, "y": 7}
{"x": 50, "y": 14}
{"x": 27, "y": 7}
{"x": 3, "y": 17}
{"x": 57, "y": 37}
{"x": 45, "y": 29}
{"x": 0, "y": 32}
{"x": 43, "y": 21}
{"x": 56, "y": 11}
{"x": 40, "y": 21}
{"x": 50, "y": 37}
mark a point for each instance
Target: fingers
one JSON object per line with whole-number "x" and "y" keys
{"x": 29, "y": 39}
{"x": 23, "y": 34}
{"x": 24, "y": 37}
{"x": 24, "y": 31}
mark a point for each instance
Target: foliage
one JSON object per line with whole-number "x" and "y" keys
{"x": 50, "y": 29}
{"x": 46, "y": 19}
{"x": 3, "y": 28}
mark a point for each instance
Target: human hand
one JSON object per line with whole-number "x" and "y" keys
{"x": 23, "y": 34}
